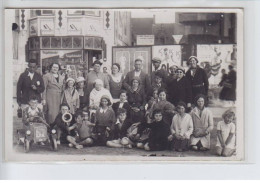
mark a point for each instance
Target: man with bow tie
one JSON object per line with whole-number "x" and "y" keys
{"x": 29, "y": 83}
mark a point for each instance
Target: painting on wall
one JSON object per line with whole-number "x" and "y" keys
{"x": 169, "y": 55}
{"x": 126, "y": 56}
{"x": 215, "y": 57}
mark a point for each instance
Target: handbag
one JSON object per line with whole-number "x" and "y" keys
{"x": 227, "y": 85}
{"x": 19, "y": 112}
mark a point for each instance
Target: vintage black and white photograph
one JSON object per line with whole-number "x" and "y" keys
{"x": 124, "y": 85}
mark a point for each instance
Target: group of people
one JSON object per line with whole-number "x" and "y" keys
{"x": 157, "y": 112}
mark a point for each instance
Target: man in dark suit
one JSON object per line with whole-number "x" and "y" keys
{"x": 29, "y": 83}
{"x": 198, "y": 78}
{"x": 137, "y": 72}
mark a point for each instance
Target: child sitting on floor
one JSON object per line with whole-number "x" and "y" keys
{"x": 158, "y": 136}
{"x": 105, "y": 117}
{"x": 61, "y": 126}
{"x": 84, "y": 130}
{"x": 120, "y": 128}
{"x": 181, "y": 129}
{"x": 226, "y": 135}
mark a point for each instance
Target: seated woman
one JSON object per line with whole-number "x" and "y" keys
{"x": 203, "y": 124}
{"x": 120, "y": 128}
{"x": 105, "y": 118}
{"x": 137, "y": 100}
{"x": 165, "y": 106}
{"x": 70, "y": 96}
{"x": 149, "y": 106}
{"x": 83, "y": 99}
{"x": 226, "y": 135}
{"x": 96, "y": 94}
{"x": 181, "y": 129}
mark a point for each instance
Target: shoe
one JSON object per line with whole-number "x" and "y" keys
{"x": 195, "y": 148}
{"x": 203, "y": 149}
{"x": 42, "y": 143}
{"x": 79, "y": 146}
{"x": 179, "y": 150}
{"x": 58, "y": 142}
{"x": 70, "y": 145}
{"x": 129, "y": 146}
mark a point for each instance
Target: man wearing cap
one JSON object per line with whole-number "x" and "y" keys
{"x": 137, "y": 72}
{"x": 198, "y": 78}
{"x": 29, "y": 83}
{"x": 95, "y": 74}
{"x": 156, "y": 63}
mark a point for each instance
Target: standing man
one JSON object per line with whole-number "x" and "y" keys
{"x": 137, "y": 72}
{"x": 29, "y": 83}
{"x": 156, "y": 63}
{"x": 93, "y": 75}
{"x": 198, "y": 78}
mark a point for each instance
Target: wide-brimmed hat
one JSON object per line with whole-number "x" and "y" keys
{"x": 180, "y": 69}
{"x": 80, "y": 79}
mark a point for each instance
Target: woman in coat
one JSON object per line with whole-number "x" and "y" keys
{"x": 180, "y": 89}
{"x": 202, "y": 124}
{"x": 136, "y": 100}
{"x": 54, "y": 83}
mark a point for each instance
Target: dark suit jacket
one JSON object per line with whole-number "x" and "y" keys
{"x": 24, "y": 87}
{"x": 180, "y": 91}
{"x": 145, "y": 80}
{"x": 200, "y": 78}
{"x": 126, "y": 106}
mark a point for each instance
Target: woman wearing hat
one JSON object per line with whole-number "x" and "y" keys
{"x": 97, "y": 92}
{"x": 96, "y": 74}
{"x": 180, "y": 89}
{"x": 80, "y": 85}
{"x": 71, "y": 96}
{"x": 54, "y": 83}
{"x": 136, "y": 100}
{"x": 198, "y": 78}
{"x": 115, "y": 81}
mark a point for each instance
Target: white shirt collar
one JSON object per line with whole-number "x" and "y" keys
{"x": 33, "y": 110}
{"x": 102, "y": 110}
{"x": 30, "y": 74}
{"x": 137, "y": 73}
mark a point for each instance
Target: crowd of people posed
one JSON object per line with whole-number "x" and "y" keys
{"x": 155, "y": 112}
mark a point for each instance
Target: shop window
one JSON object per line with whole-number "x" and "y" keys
{"x": 55, "y": 42}
{"x": 67, "y": 42}
{"x": 46, "y": 42}
{"x": 35, "y": 13}
{"x": 77, "y": 42}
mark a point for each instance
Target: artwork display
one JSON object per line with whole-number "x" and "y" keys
{"x": 126, "y": 56}
{"x": 169, "y": 55}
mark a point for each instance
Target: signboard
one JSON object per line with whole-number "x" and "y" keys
{"x": 214, "y": 58}
{"x": 169, "y": 55}
{"x": 47, "y": 26}
{"x": 145, "y": 39}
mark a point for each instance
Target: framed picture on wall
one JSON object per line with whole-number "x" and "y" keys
{"x": 126, "y": 56}
{"x": 169, "y": 55}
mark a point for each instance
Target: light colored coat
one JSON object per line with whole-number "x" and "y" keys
{"x": 95, "y": 96}
{"x": 71, "y": 100}
{"x": 52, "y": 95}
{"x": 182, "y": 125}
{"x": 205, "y": 122}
